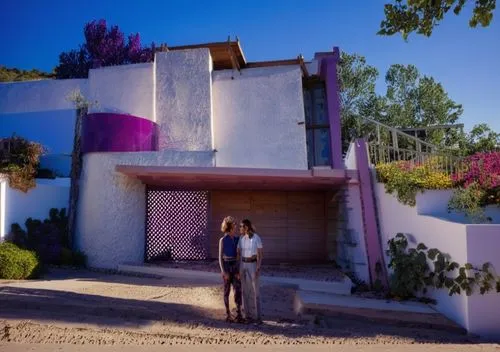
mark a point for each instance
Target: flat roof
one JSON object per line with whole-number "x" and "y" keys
{"x": 223, "y": 53}
{"x": 229, "y": 55}
{"x": 226, "y": 178}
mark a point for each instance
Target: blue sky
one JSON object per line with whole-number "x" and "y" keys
{"x": 464, "y": 60}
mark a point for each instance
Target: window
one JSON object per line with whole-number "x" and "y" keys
{"x": 317, "y": 125}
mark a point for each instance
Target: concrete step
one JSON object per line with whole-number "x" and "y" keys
{"x": 413, "y": 314}
{"x": 332, "y": 287}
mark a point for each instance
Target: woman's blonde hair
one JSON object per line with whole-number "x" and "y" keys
{"x": 227, "y": 224}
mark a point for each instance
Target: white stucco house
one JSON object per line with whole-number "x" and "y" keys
{"x": 175, "y": 145}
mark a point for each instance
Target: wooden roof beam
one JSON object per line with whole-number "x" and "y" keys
{"x": 232, "y": 55}
{"x": 305, "y": 73}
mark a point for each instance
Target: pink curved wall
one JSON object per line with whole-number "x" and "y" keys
{"x": 110, "y": 132}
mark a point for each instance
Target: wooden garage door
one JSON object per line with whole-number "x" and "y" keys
{"x": 292, "y": 225}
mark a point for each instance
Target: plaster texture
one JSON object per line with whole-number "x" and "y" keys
{"x": 126, "y": 89}
{"x": 36, "y": 203}
{"x": 40, "y": 111}
{"x": 42, "y": 95}
{"x": 465, "y": 243}
{"x": 184, "y": 99}
{"x": 111, "y": 209}
{"x": 259, "y": 118}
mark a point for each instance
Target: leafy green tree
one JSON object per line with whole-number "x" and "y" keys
{"x": 413, "y": 101}
{"x": 482, "y": 139}
{"x": 421, "y": 16}
{"x": 357, "y": 95}
{"x": 14, "y": 74}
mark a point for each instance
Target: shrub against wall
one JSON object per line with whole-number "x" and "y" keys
{"x": 405, "y": 179}
{"x": 478, "y": 182}
{"x": 415, "y": 270}
{"x": 48, "y": 238}
{"x": 19, "y": 160}
{"x": 17, "y": 263}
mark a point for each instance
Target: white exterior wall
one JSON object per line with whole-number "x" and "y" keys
{"x": 40, "y": 111}
{"x": 465, "y": 243}
{"x": 256, "y": 118}
{"x": 184, "y": 99}
{"x": 483, "y": 244}
{"x": 356, "y": 232}
{"x": 111, "y": 209}
{"x": 126, "y": 89}
{"x": 36, "y": 203}
{"x": 36, "y": 96}
{"x": 435, "y": 203}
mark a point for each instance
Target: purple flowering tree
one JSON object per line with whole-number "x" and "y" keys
{"x": 103, "y": 47}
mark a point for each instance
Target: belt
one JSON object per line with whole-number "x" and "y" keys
{"x": 249, "y": 259}
{"x": 229, "y": 259}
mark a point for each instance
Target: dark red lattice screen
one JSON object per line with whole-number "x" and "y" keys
{"x": 176, "y": 225}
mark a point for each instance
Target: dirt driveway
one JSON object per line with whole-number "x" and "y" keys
{"x": 80, "y": 307}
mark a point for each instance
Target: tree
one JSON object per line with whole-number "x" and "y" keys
{"x": 103, "y": 47}
{"x": 413, "y": 101}
{"x": 357, "y": 95}
{"x": 422, "y": 16}
{"x": 14, "y": 74}
{"x": 482, "y": 139}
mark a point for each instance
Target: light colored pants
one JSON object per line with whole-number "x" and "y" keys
{"x": 250, "y": 286}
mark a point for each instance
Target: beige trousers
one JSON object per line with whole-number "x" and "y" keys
{"x": 250, "y": 287}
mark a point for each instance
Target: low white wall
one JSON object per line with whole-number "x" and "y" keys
{"x": 184, "y": 99}
{"x": 465, "y": 243}
{"x": 111, "y": 209}
{"x": 36, "y": 96}
{"x": 435, "y": 203}
{"x": 483, "y": 244}
{"x": 36, "y": 203}
{"x": 126, "y": 89}
{"x": 256, "y": 118}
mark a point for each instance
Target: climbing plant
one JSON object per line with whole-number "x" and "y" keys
{"x": 415, "y": 270}
{"x": 19, "y": 160}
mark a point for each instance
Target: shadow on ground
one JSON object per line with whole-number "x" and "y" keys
{"x": 39, "y": 304}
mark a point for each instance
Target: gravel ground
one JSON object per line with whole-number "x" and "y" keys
{"x": 311, "y": 272}
{"x": 91, "y": 308}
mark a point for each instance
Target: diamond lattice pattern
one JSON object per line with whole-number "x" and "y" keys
{"x": 177, "y": 225}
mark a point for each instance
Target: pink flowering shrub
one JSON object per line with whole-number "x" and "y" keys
{"x": 480, "y": 168}
{"x": 482, "y": 171}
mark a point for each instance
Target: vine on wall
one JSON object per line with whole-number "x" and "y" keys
{"x": 415, "y": 270}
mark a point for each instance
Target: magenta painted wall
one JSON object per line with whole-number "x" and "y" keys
{"x": 110, "y": 132}
{"x": 328, "y": 71}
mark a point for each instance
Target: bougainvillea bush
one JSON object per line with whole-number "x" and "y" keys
{"x": 478, "y": 185}
{"x": 476, "y": 181}
{"x": 103, "y": 47}
{"x": 481, "y": 171}
{"x": 405, "y": 178}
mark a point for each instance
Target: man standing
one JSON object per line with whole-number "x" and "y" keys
{"x": 250, "y": 254}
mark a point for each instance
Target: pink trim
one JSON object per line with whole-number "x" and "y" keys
{"x": 215, "y": 178}
{"x": 372, "y": 238}
{"x": 328, "y": 71}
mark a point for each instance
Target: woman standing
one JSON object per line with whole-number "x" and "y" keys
{"x": 250, "y": 252}
{"x": 229, "y": 266}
